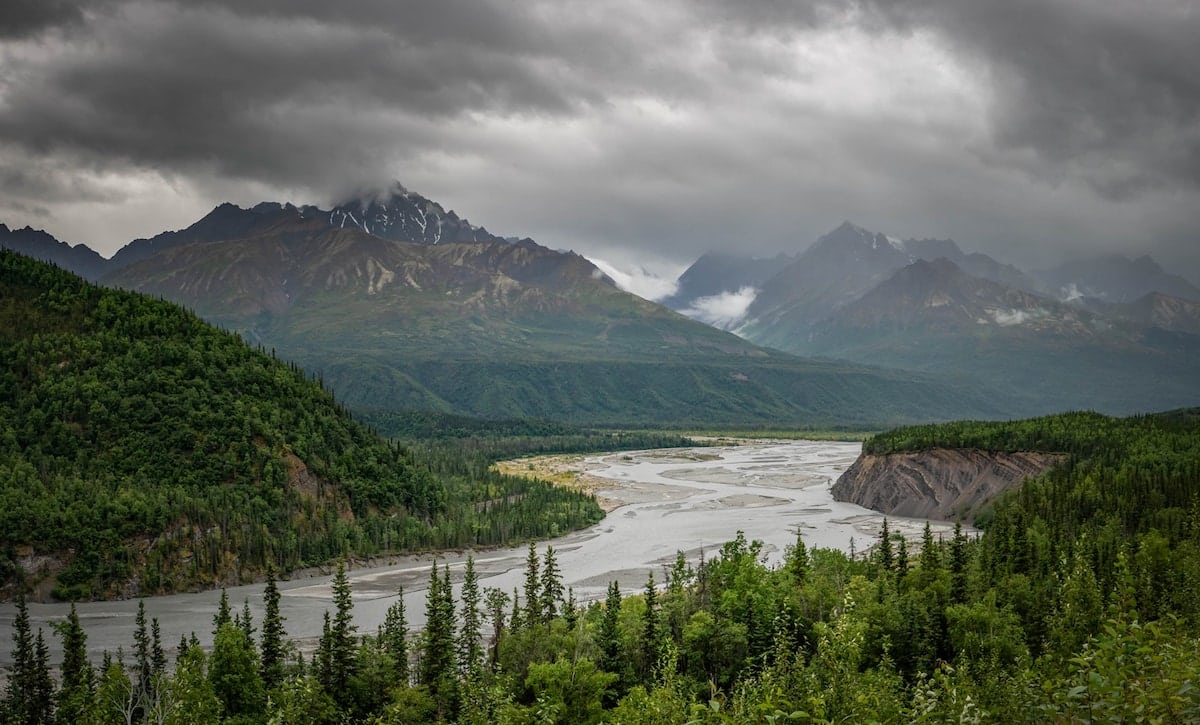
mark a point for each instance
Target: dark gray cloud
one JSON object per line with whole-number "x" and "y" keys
{"x": 1106, "y": 89}
{"x": 24, "y": 17}
{"x": 1028, "y": 128}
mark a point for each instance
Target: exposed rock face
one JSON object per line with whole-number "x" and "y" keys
{"x": 939, "y": 483}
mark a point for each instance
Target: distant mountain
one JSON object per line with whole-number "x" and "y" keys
{"x": 502, "y": 329}
{"x": 932, "y": 316}
{"x": 404, "y": 216}
{"x": 396, "y": 214}
{"x": 225, "y": 222}
{"x": 37, "y": 244}
{"x": 974, "y": 264}
{"x": 714, "y": 274}
{"x": 842, "y": 266}
{"x": 940, "y": 296}
{"x": 1162, "y": 311}
{"x": 838, "y": 269}
{"x": 1115, "y": 278}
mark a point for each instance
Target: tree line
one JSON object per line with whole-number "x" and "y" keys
{"x": 918, "y": 631}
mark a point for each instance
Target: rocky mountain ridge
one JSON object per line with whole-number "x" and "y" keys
{"x": 405, "y": 216}
{"x": 35, "y": 243}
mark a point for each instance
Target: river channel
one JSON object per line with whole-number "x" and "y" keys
{"x": 690, "y": 500}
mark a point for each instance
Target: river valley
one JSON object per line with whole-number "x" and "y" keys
{"x": 690, "y": 500}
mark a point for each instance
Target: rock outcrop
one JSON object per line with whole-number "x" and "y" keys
{"x": 939, "y": 483}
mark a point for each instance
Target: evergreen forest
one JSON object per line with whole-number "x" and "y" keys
{"x": 1083, "y": 611}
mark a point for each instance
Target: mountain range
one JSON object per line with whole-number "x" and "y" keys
{"x": 400, "y": 305}
{"x": 1110, "y": 333}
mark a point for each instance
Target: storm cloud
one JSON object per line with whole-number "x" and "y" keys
{"x": 642, "y": 133}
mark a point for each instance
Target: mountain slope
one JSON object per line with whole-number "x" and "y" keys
{"x": 974, "y": 264}
{"x": 1162, "y": 311}
{"x": 226, "y": 221}
{"x": 839, "y": 268}
{"x": 502, "y": 329}
{"x": 1116, "y": 279}
{"x": 37, "y": 244}
{"x": 713, "y": 274}
{"x": 934, "y": 317}
{"x": 143, "y": 451}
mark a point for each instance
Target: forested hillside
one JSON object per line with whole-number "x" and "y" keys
{"x": 1128, "y": 484}
{"x": 143, "y": 451}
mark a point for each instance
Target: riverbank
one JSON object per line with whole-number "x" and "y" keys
{"x": 670, "y": 500}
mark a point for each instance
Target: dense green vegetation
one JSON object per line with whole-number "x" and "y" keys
{"x": 1127, "y": 484}
{"x": 673, "y": 391}
{"x": 1064, "y": 610}
{"x": 824, "y": 638}
{"x": 143, "y": 450}
{"x": 430, "y": 425}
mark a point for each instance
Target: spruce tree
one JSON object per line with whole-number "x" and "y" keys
{"x": 552, "y": 586}
{"x": 245, "y": 620}
{"x": 141, "y": 641}
{"x": 516, "y": 617}
{"x": 273, "y": 635}
{"x": 533, "y": 604}
{"x": 181, "y": 649}
{"x": 437, "y": 641}
{"x": 438, "y": 650}
{"x": 223, "y": 614}
{"x": 611, "y": 659}
{"x": 341, "y": 636}
{"x": 797, "y": 559}
{"x": 324, "y": 655}
{"x": 902, "y": 557}
{"x": 612, "y": 652}
{"x": 650, "y": 630}
{"x": 395, "y": 637}
{"x": 929, "y": 551}
{"x": 42, "y": 686}
{"x": 23, "y": 700}
{"x": 470, "y": 648}
{"x": 158, "y": 658}
{"x": 571, "y": 609}
{"x": 886, "y": 560}
{"x": 958, "y": 566}
{"x": 78, "y": 679}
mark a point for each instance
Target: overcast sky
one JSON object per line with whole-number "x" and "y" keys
{"x": 629, "y": 131}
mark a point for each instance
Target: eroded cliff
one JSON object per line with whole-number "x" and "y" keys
{"x": 939, "y": 483}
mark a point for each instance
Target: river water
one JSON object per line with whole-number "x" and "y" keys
{"x": 690, "y": 500}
